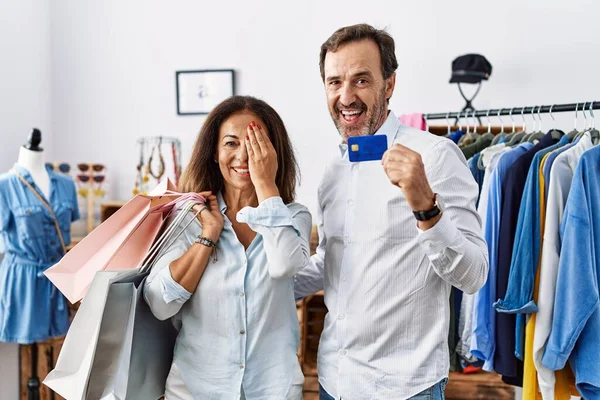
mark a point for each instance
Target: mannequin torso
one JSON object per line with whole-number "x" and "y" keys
{"x": 33, "y": 161}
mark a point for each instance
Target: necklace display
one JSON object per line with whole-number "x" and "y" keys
{"x": 161, "y": 161}
{"x": 141, "y": 179}
{"x": 157, "y": 165}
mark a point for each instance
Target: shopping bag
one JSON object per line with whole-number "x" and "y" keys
{"x": 120, "y": 242}
{"x": 134, "y": 351}
{"x": 116, "y": 348}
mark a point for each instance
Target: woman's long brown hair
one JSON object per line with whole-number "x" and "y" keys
{"x": 202, "y": 172}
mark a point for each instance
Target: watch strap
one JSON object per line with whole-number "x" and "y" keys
{"x": 428, "y": 214}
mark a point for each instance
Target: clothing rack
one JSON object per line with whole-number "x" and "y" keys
{"x": 572, "y": 107}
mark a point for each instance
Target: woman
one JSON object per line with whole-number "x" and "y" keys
{"x": 238, "y": 333}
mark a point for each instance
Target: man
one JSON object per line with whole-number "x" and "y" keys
{"x": 388, "y": 253}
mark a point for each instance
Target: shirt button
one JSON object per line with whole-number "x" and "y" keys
{"x": 52, "y": 243}
{"x": 242, "y": 294}
{"x": 342, "y": 316}
{"x": 242, "y": 332}
{"x": 346, "y": 240}
{"x": 343, "y": 352}
{"x": 350, "y": 203}
{"x": 241, "y": 366}
{"x": 344, "y": 279}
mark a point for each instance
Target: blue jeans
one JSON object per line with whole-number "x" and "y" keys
{"x": 435, "y": 392}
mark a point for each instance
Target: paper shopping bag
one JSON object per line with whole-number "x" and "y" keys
{"x": 134, "y": 350}
{"x": 69, "y": 377}
{"x": 115, "y": 347}
{"x": 120, "y": 242}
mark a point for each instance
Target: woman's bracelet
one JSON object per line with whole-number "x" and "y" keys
{"x": 208, "y": 243}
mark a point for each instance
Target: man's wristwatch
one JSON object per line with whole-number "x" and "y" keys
{"x": 438, "y": 208}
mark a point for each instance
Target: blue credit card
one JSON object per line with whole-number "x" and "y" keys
{"x": 366, "y": 148}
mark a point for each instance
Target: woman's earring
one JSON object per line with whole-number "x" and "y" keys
{"x": 216, "y": 162}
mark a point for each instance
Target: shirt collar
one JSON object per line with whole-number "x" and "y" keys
{"x": 390, "y": 128}
{"x": 222, "y": 205}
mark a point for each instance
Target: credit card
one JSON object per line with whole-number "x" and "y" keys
{"x": 366, "y": 148}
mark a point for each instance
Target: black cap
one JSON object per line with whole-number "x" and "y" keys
{"x": 470, "y": 68}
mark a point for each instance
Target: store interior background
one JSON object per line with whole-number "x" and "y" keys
{"x": 95, "y": 76}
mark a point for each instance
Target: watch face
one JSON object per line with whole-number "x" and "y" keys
{"x": 439, "y": 201}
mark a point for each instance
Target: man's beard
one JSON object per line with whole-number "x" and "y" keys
{"x": 372, "y": 120}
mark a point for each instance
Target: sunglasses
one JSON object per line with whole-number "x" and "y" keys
{"x": 65, "y": 168}
{"x": 85, "y": 167}
{"x": 86, "y": 178}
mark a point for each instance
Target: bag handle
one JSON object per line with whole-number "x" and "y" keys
{"x": 167, "y": 237}
{"x": 48, "y": 207}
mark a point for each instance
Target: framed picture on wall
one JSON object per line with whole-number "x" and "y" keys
{"x": 200, "y": 91}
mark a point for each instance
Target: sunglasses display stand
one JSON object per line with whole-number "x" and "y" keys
{"x": 91, "y": 174}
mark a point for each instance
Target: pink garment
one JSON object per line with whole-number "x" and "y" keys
{"x": 415, "y": 120}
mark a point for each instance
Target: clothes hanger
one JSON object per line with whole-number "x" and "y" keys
{"x": 525, "y": 138}
{"x": 585, "y": 127}
{"x": 488, "y": 134}
{"x": 539, "y": 134}
{"x": 460, "y": 128}
{"x": 524, "y": 127}
{"x": 469, "y": 136}
{"x": 515, "y": 137}
{"x": 527, "y": 134}
{"x": 474, "y": 134}
{"x": 557, "y": 134}
{"x": 475, "y": 124}
{"x": 501, "y": 134}
{"x": 448, "y": 124}
{"x": 594, "y": 133}
{"x": 571, "y": 135}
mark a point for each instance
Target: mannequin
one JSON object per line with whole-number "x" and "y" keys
{"x": 37, "y": 207}
{"x": 31, "y": 157}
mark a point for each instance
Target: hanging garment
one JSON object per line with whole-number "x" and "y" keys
{"x": 530, "y": 391}
{"x": 530, "y": 381}
{"x": 478, "y": 173}
{"x": 415, "y": 120}
{"x": 31, "y": 308}
{"x": 550, "y": 161}
{"x": 456, "y": 135}
{"x": 488, "y": 153}
{"x": 465, "y": 323}
{"x": 561, "y": 176}
{"x": 483, "y": 341}
{"x": 481, "y": 143}
{"x": 576, "y": 320}
{"x": 525, "y": 255}
{"x": 505, "y": 362}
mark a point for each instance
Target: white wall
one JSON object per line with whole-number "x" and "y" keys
{"x": 25, "y": 86}
{"x": 25, "y": 79}
{"x": 114, "y": 64}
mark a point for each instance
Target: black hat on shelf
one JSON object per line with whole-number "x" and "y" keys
{"x": 470, "y": 68}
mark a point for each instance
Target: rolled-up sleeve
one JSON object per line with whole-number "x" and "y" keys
{"x": 455, "y": 245}
{"x": 162, "y": 293}
{"x": 285, "y": 231}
